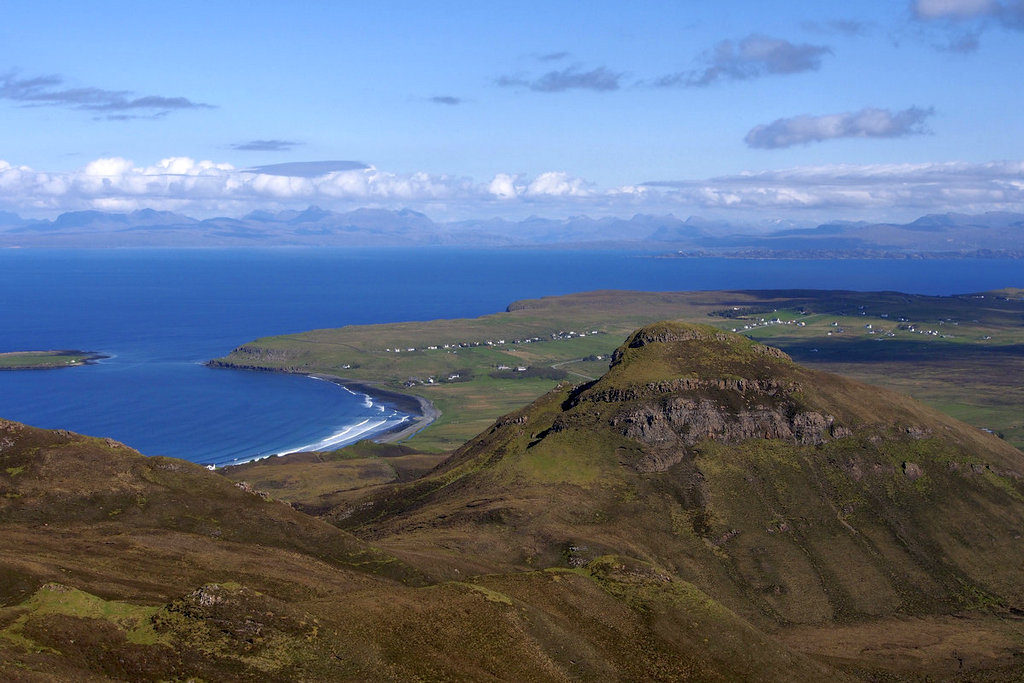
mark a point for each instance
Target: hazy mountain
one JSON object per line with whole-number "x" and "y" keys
{"x": 315, "y": 226}
{"x": 10, "y": 220}
{"x": 932, "y": 233}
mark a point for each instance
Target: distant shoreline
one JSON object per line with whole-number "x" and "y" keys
{"x": 811, "y": 254}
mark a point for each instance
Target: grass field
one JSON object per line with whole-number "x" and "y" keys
{"x": 961, "y": 354}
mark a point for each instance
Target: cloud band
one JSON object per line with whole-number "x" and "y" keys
{"x": 206, "y": 187}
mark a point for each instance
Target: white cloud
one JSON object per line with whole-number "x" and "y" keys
{"x": 503, "y": 186}
{"x": 557, "y": 184}
{"x": 877, "y": 190}
{"x": 755, "y": 56}
{"x": 205, "y": 188}
{"x": 114, "y": 166}
{"x": 600, "y": 79}
{"x": 115, "y": 105}
{"x": 182, "y": 183}
{"x": 965, "y": 20}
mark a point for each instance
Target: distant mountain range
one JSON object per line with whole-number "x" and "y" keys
{"x": 992, "y": 234}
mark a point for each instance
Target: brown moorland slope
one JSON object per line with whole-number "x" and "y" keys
{"x": 794, "y": 497}
{"x": 706, "y": 510}
{"x": 114, "y": 566}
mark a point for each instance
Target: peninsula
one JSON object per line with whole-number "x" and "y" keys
{"x": 959, "y": 354}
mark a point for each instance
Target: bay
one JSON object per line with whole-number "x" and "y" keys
{"x": 160, "y": 313}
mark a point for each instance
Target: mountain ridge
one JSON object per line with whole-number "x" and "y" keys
{"x": 951, "y": 234}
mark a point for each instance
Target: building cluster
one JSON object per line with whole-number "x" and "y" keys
{"x": 762, "y": 322}
{"x": 836, "y": 328}
{"x": 554, "y": 336}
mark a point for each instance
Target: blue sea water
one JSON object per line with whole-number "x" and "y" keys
{"x": 159, "y": 314}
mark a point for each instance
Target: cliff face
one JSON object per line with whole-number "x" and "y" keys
{"x": 678, "y": 423}
{"x": 672, "y": 416}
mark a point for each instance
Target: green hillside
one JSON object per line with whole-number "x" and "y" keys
{"x": 795, "y": 498}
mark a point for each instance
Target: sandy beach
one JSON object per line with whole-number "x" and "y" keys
{"x": 423, "y": 411}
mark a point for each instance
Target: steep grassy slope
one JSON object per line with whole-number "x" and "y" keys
{"x": 791, "y": 496}
{"x": 118, "y": 567}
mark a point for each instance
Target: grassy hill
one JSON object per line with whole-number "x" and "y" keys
{"x": 798, "y": 500}
{"x": 115, "y": 566}
{"x": 706, "y": 509}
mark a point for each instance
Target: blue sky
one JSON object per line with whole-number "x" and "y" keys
{"x": 741, "y": 110}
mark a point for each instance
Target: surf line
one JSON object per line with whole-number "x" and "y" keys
{"x": 347, "y": 435}
{"x": 396, "y": 412}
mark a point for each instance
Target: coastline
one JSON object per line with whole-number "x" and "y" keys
{"x": 423, "y": 411}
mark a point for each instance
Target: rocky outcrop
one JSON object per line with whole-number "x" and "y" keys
{"x": 769, "y": 388}
{"x": 743, "y": 391}
{"x": 675, "y": 425}
{"x": 255, "y": 357}
{"x": 687, "y": 421}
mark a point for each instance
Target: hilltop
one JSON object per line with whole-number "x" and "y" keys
{"x": 684, "y": 412}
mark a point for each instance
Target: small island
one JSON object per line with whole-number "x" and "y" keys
{"x": 47, "y": 360}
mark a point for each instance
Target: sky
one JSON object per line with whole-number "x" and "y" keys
{"x": 739, "y": 110}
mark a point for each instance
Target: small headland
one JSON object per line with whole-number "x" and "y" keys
{"x": 47, "y": 360}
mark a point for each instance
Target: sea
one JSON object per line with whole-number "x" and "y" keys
{"x": 159, "y": 314}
